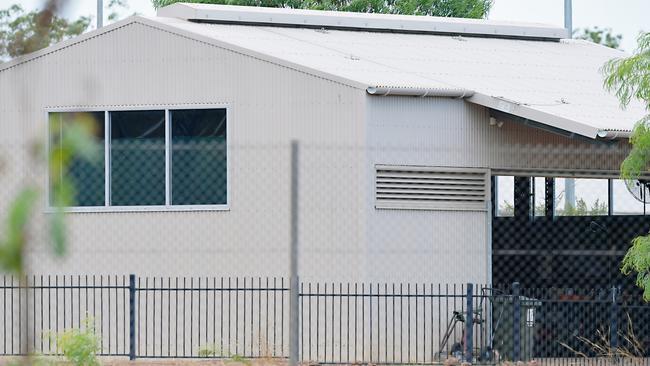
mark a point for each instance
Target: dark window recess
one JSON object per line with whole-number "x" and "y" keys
{"x": 137, "y": 158}
{"x": 86, "y": 174}
{"x": 198, "y": 157}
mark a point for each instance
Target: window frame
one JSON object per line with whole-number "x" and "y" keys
{"x": 167, "y": 207}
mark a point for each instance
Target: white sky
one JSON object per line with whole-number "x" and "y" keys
{"x": 626, "y": 17}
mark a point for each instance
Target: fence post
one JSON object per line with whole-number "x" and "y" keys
{"x": 469, "y": 324}
{"x": 613, "y": 327}
{"x": 294, "y": 296}
{"x": 132, "y": 317}
{"x": 516, "y": 323}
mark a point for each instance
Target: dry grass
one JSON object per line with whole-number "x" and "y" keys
{"x": 629, "y": 347}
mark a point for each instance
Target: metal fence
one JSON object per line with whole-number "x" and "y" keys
{"x": 403, "y": 323}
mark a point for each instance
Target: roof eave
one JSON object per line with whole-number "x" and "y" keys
{"x": 420, "y": 91}
{"x": 523, "y": 111}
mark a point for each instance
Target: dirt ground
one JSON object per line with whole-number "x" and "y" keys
{"x": 184, "y": 362}
{"x": 106, "y": 361}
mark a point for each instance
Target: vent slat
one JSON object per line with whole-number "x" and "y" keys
{"x": 473, "y": 187}
{"x": 431, "y": 188}
{"x": 429, "y": 175}
{"x": 425, "y": 181}
{"x": 430, "y": 197}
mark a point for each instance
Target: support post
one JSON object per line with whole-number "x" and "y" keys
{"x": 100, "y": 13}
{"x": 613, "y": 319}
{"x": 469, "y": 324}
{"x": 294, "y": 311}
{"x": 516, "y": 323}
{"x": 132, "y": 317}
{"x": 549, "y": 198}
{"x": 523, "y": 194}
{"x": 568, "y": 17}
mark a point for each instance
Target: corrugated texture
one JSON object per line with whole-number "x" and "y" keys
{"x": 136, "y": 66}
{"x": 447, "y": 132}
{"x": 392, "y": 22}
{"x": 555, "y": 79}
{"x": 454, "y": 133}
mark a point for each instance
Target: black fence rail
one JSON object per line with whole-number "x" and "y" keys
{"x": 391, "y": 323}
{"x": 36, "y": 308}
{"x": 381, "y": 323}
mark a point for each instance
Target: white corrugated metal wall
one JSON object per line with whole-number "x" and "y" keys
{"x": 137, "y": 65}
{"x": 453, "y": 246}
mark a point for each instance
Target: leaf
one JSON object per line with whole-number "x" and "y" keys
{"x": 12, "y": 247}
{"x": 445, "y": 8}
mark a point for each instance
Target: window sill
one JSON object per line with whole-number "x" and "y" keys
{"x": 113, "y": 209}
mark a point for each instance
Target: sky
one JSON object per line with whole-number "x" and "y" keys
{"x": 626, "y": 17}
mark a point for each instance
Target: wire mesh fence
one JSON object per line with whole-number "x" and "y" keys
{"x": 387, "y": 238}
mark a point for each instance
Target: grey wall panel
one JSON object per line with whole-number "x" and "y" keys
{"x": 451, "y": 246}
{"x": 136, "y": 66}
{"x": 451, "y": 132}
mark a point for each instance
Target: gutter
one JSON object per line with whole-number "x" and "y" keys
{"x": 420, "y": 92}
{"x": 612, "y": 135}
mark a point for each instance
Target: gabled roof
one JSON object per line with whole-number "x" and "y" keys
{"x": 551, "y": 81}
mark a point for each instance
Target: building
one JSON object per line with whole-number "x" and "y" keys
{"x": 404, "y": 124}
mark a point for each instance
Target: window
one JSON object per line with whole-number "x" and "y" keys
{"x": 198, "y": 157}
{"x": 581, "y": 197}
{"x": 86, "y": 175}
{"x": 137, "y": 158}
{"x": 633, "y": 200}
{"x": 505, "y": 195}
{"x": 539, "y": 196}
{"x": 155, "y": 158}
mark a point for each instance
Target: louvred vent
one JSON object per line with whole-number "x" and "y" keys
{"x": 431, "y": 188}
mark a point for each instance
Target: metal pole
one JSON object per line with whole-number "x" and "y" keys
{"x": 516, "y": 323}
{"x": 469, "y": 324}
{"x": 100, "y": 13}
{"x": 613, "y": 328}
{"x": 132, "y": 317}
{"x": 294, "y": 315}
{"x": 569, "y": 194}
{"x": 568, "y": 17}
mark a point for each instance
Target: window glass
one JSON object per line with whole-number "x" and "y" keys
{"x": 630, "y": 200}
{"x": 581, "y": 197}
{"x": 505, "y": 196}
{"x": 539, "y": 196}
{"x": 86, "y": 175}
{"x": 137, "y": 158}
{"x": 198, "y": 163}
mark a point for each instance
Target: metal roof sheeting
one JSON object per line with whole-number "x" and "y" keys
{"x": 554, "y": 83}
{"x": 365, "y": 21}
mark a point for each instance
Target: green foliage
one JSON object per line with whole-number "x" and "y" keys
{"x": 445, "y": 8}
{"x": 629, "y": 78}
{"x": 115, "y": 6}
{"x": 637, "y": 260}
{"x": 582, "y": 209}
{"x": 76, "y": 143}
{"x": 79, "y": 346}
{"x": 11, "y": 248}
{"x": 213, "y": 350}
{"x": 602, "y": 36}
{"x": 24, "y": 32}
